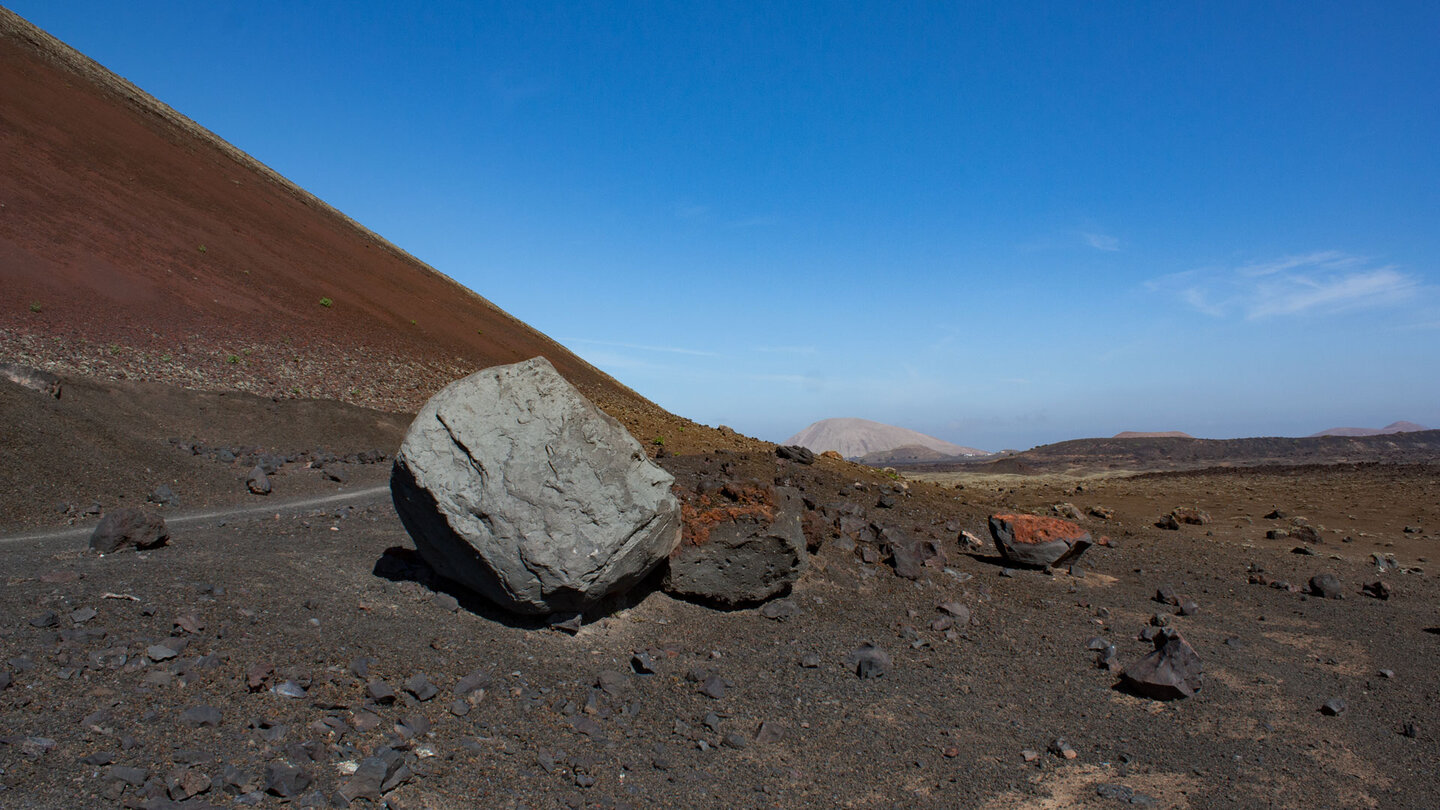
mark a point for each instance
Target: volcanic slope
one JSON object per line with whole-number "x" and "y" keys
{"x": 135, "y": 243}
{"x": 853, "y": 438}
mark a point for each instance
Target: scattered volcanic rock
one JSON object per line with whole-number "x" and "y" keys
{"x": 868, "y": 661}
{"x": 1172, "y": 671}
{"x": 163, "y": 495}
{"x": 1326, "y": 586}
{"x": 742, "y": 543}
{"x": 258, "y": 482}
{"x": 515, "y": 485}
{"x": 1037, "y": 541}
{"x": 1190, "y": 515}
{"x": 795, "y": 452}
{"x": 128, "y": 528}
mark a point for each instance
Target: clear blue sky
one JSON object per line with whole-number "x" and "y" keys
{"x": 1000, "y": 224}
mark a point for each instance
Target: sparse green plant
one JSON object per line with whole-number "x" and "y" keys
{"x": 233, "y": 359}
{"x": 164, "y": 358}
{"x": 34, "y": 306}
{"x": 202, "y": 249}
{"x": 659, "y": 441}
{"x": 327, "y": 303}
{"x": 245, "y": 351}
{"x": 412, "y": 321}
{"x": 114, "y": 348}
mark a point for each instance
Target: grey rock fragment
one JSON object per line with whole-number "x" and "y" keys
{"x": 1326, "y": 586}
{"x": 643, "y": 663}
{"x": 161, "y": 652}
{"x": 289, "y": 689}
{"x": 419, "y": 685}
{"x": 286, "y": 780}
{"x": 714, "y": 687}
{"x": 99, "y": 758}
{"x": 769, "y": 733}
{"x": 134, "y": 777}
{"x": 475, "y": 680}
{"x": 1334, "y": 707}
{"x": 780, "y": 609}
{"x": 128, "y": 528}
{"x": 258, "y": 482}
{"x": 200, "y": 716}
{"x": 83, "y": 615}
{"x": 163, "y": 495}
{"x": 796, "y": 453}
{"x": 868, "y": 661}
{"x": 516, "y": 486}
{"x": 1172, "y": 671}
{"x": 379, "y": 691}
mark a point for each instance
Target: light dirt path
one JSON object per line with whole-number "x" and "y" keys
{"x": 33, "y": 540}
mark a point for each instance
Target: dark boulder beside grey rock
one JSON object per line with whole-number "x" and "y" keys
{"x": 1172, "y": 671}
{"x": 743, "y": 543}
{"x": 128, "y": 528}
{"x": 516, "y": 486}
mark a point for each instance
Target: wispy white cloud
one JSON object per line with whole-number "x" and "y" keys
{"x": 1101, "y": 241}
{"x": 805, "y": 350}
{"x": 1319, "y": 282}
{"x": 643, "y": 348}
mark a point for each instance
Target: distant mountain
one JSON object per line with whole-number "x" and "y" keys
{"x": 1393, "y": 427}
{"x": 1078, "y": 456}
{"x": 1159, "y": 434}
{"x": 854, "y": 438}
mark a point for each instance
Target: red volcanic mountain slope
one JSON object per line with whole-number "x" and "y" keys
{"x": 136, "y": 244}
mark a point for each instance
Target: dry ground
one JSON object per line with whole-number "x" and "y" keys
{"x": 303, "y": 596}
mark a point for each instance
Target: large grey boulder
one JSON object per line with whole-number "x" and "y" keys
{"x": 516, "y": 486}
{"x": 743, "y": 543}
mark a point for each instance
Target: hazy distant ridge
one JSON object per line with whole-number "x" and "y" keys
{"x": 1393, "y": 427}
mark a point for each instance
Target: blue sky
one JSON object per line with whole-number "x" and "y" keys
{"x": 1000, "y": 224}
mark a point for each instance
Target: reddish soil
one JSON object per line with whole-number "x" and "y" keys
{"x": 153, "y": 249}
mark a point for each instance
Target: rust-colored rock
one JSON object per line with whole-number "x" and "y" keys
{"x": 1038, "y": 541}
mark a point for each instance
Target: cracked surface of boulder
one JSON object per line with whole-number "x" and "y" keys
{"x": 516, "y": 486}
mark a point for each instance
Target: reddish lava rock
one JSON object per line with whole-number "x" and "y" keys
{"x": 1038, "y": 541}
